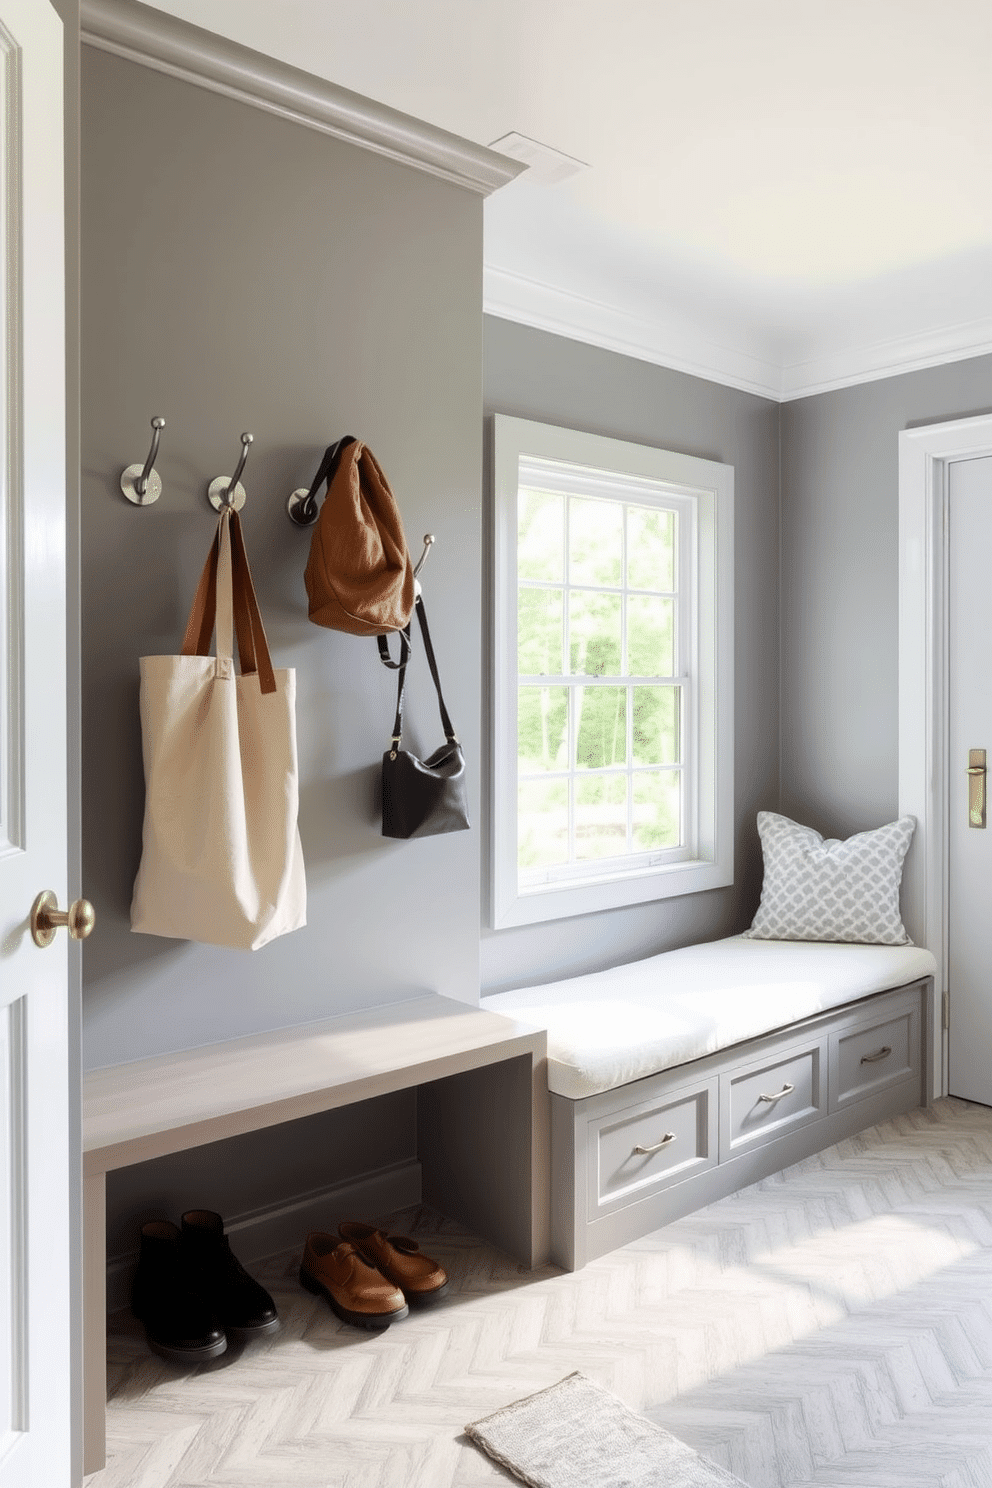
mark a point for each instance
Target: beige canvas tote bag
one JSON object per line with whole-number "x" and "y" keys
{"x": 221, "y": 860}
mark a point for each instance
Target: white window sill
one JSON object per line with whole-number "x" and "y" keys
{"x": 555, "y": 901}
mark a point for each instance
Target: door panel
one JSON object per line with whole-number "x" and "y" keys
{"x": 969, "y": 544}
{"x": 37, "y": 1077}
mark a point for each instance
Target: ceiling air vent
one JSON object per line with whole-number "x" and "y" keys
{"x": 546, "y": 167}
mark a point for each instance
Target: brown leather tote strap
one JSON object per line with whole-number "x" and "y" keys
{"x": 254, "y": 653}
{"x": 253, "y": 649}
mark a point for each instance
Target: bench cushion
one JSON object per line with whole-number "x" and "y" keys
{"x": 610, "y": 1027}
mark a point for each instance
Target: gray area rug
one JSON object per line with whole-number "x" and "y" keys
{"x": 577, "y": 1435}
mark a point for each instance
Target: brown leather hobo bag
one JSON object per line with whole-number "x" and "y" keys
{"x": 359, "y": 576}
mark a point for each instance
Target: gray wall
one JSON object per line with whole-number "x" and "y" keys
{"x": 260, "y": 1179}
{"x": 840, "y": 588}
{"x": 243, "y": 272}
{"x": 530, "y": 374}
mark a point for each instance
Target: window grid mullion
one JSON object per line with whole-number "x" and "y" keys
{"x": 599, "y": 588}
{"x": 571, "y": 773}
{"x": 630, "y": 769}
{"x": 596, "y": 770}
{"x": 566, "y": 593}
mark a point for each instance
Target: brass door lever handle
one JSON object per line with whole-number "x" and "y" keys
{"x": 976, "y": 787}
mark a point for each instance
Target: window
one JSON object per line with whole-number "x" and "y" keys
{"x": 613, "y": 698}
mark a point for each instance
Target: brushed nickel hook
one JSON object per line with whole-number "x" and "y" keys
{"x": 142, "y": 484}
{"x": 428, "y": 544}
{"x": 301, "y": 504}
{"x": 227, "y": 491}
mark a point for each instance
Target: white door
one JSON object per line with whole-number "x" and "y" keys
{"x": 969, "y": 688}
{"x": 37, "y": 1077}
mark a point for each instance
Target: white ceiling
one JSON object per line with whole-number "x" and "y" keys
{"x": 785, "y": 195}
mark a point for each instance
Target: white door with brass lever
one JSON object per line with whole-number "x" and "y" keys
{"x": 969, "y": 847}
{"x": 39, "y": 1074}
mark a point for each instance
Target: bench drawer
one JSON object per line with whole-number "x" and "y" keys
{"x": 873, "y": 1056}
{"x": 677, "y": 1134}
{"x": 770, "y": 1099}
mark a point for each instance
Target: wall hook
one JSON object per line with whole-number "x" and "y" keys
{"x": 142, "y": 484}
{"x": 226, "y": 491}
{"x": 301, "y": 504}
{"x": 428, "y": 543}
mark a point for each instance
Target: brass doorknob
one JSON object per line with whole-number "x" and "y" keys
{"x": 46, "y": 918}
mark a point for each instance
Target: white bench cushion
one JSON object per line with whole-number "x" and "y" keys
{"x": 610, "y": 1027}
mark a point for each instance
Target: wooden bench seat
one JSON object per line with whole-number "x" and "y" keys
{"x": 466, "y": 1063}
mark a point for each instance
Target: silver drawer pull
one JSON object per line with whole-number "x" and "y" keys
{"x": 882, "y": 1053}
{"x": 647, "y": 1151}
{"x": 787, "y": 1089}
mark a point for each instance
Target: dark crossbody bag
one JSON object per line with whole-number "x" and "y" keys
{"x": 421, "y": 798}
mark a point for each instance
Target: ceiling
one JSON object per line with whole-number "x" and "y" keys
{"x": 783, "y": 195}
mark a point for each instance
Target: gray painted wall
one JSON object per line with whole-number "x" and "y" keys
{"x": 342, "y": 293}
{"x": 530, "y": 374}
{"x": 242, "y": 272}
{"x": 840, "y": 588}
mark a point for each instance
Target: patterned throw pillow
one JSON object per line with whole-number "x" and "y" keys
{"x": 816, "y": 889}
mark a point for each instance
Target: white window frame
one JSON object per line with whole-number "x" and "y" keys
{"x": 704, "y": 492}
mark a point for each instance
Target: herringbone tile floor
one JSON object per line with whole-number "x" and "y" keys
{"x": 830, "y": 1327}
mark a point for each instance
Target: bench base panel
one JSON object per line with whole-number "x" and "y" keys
{"x": 627, "y": 1161}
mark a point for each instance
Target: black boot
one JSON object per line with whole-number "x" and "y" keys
{"x": 242, "y": 1304}
{"x": 179, "y": 1322}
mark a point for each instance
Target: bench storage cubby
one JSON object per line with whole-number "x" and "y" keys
{"x": 465, "y": 1063}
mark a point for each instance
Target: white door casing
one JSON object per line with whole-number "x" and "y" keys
{"x": 969, "y": 726}
{"x": 925, "y": 457}
{"x": 36, "y": 1074}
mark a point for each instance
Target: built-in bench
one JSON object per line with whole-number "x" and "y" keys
{"x": 681, "y": 1078}
{"x": 482, "y": 1124}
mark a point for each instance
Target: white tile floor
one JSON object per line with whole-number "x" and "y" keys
{"x": 831, "y": 1326}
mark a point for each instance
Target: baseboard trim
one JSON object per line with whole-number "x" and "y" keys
{"x": 263, "y": 1232}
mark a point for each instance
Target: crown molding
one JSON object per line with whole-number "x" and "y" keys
{"x": 526, "y": 301}
{"x": 890, "y": 358}
{"x": 513, "y": 296}
{"x": 142, "y": 34}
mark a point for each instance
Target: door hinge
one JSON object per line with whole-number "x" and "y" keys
{"x": 945, "y": 1009}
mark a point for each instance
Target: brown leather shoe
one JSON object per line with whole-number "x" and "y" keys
{"x": 421, "y": 1280}
{"x": 355, "y": 1290}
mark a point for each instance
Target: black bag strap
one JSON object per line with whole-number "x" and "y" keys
{"x": 326, "y": 471}
{"x": 405, "y": 648}
{"x": 449, "y": 732}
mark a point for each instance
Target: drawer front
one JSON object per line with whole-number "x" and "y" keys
{"x": 643, "y": 1148}
{"x": 874, "y": 1056}
{"x": 772, "y": 1098}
